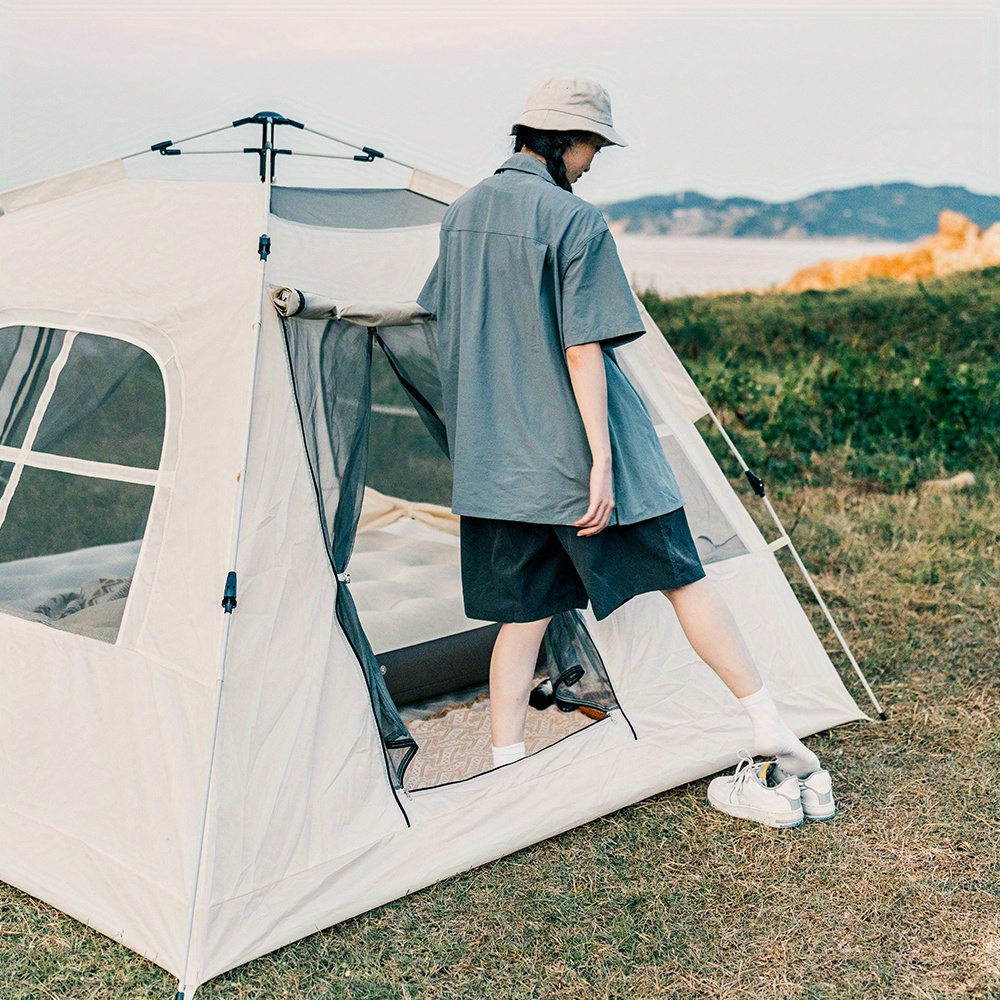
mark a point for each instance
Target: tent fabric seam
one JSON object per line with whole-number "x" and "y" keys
{"x": 202, "y": 859}
{"x": 360, "y": 231}
{"x": 150, "y": 658}
{"x": 370, "y": 844}
{"x": 81, "y": 327}
{"x": 173, "y": 894}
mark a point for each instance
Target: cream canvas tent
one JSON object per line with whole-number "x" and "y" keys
{"x": 202, "y": 757}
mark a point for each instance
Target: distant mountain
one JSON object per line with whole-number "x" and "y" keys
{"x": 899, "y": 211}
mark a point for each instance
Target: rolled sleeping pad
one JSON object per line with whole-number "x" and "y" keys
{"x": 428, "y": 669}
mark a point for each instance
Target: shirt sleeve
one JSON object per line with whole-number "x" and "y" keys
{"x": 428, "y": 297}
{"x": 597, "y": 302}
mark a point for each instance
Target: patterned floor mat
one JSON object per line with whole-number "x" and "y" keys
{"x": 457, "y": 744}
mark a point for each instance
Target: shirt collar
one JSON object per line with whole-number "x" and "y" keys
{"x": 528, "y": 164}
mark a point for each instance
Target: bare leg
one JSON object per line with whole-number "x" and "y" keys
{"x": 512, "y": 669}
{"x": 714, "y": 635}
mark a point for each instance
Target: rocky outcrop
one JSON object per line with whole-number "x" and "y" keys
{"x": 958, "y": 245}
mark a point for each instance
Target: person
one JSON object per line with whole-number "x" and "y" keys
{"x": 564, "y": 494}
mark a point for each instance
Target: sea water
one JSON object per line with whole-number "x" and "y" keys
{"x": 692, "y": 265}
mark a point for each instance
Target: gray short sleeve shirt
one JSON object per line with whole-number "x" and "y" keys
{"x": 525, "y": 270}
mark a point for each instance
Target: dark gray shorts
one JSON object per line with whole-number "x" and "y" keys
{"x": 513, "y": 571}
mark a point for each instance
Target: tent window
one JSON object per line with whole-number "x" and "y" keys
{"x": 714, "y": 534}
{"x": 106, "y": 387}
{"x": 26, "y": 357}
{"x": 83, "y": 417}
{"x": 52, "y": 512}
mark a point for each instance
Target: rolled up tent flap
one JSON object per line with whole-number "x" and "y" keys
{"x": 62, "y": 185}
{"x": 307, "y": 305}
{"x": 434, "y": 187}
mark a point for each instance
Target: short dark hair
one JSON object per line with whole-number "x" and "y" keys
{"x": 551, "y": 145}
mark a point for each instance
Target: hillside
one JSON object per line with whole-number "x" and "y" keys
{"x": 900, "y": 211}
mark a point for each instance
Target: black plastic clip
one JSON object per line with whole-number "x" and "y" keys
{"x": 370, "y": 154}
{"x": 263, "y": 116}
{"x": 756, "y": 484}
{"x": 264, "y": 246}
{"x": 229, "y": 594}
{"x": 164, "y": 148}
{"x": 569, "y": 677}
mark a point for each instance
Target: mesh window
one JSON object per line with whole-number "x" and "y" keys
{"x": 330, "y": 363}
{"x": 68, "y": 549}
{"x": 26, "y": 356}
{"x": 108, "y": 405}
{"x": 576, "y": 671}
{"x": 69, "y": 541}
{"x": 56, "y": 512}
{"x": 404, "y": 459}
{"x": 714, "y": 535}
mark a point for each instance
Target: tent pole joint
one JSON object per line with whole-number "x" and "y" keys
{"x": 229, "y": 594}
{"x": 165, "y": 148}
{"x": 264, "y": 246}
{"x": 756, "y": 483}
{"x": 267, "y": 120}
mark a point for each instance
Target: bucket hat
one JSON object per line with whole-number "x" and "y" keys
{"x": 565, "y": 103}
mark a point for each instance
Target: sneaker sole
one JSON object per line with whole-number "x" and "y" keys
{"x": 758, "y": 816}
{"x": 813, "y": 809}
{"x": 817, "y": 818}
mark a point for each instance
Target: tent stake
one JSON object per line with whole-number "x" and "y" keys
{"x": 758, "y": 487}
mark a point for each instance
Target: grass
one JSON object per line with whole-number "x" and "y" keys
{"x": 898, "y": 896}
{"x": 884, "y": 382}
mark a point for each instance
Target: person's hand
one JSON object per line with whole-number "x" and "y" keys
{"x": 602, "y": 500}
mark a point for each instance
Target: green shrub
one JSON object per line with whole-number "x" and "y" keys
{"x": 885, "y": 382}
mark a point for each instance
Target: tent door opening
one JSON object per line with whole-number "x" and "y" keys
{"x": 369, "y": 404}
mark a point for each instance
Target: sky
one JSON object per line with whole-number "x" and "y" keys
{"x": 768, "y": 100}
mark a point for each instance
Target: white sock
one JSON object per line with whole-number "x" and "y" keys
{"x": 772, "y": 738}
{"x": 507, "y": 755}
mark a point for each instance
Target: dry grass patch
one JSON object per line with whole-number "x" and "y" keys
{"x": 898, "y": 896}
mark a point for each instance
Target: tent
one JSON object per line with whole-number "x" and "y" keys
{"x": 227, "y": 564}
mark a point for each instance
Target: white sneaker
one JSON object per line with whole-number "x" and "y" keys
{"x": 761, "y": 792}
{"x": 816, "y": 792}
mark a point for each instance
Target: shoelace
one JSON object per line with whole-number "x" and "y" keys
{"x": 744, "y": 772}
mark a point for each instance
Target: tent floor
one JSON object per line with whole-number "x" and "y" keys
{"x": 455, "y": 741}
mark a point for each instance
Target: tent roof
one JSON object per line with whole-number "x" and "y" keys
{"x": 355, "y": 208}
